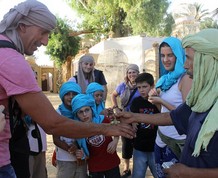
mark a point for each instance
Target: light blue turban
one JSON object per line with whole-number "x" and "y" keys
{"x": 91, "y": 89}
{"x": 69, "y": 87}
{"x": 79, "y": 101}
{"x": 168, "y": 78}
{"x": 82, "y": 100}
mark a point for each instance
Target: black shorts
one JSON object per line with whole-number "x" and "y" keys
{"x": 127, "y": 148}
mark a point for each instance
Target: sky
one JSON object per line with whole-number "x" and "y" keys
{"x": 60, "y": 8}
{"x": 207, "y": 4}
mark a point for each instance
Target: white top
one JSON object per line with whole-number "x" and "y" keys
{"x": 174, "y": 97}
{"x": 61, "y": 154}
{"x": 33, "y": 142}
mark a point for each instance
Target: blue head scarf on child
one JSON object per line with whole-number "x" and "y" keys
{"x": 168, "y": 78}
{"x": 65, "y": 88}
{"x": 91, "y": 89}
{"x": 79, "y": 101}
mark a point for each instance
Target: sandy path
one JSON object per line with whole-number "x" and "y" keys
{"x": 54, "y": 98}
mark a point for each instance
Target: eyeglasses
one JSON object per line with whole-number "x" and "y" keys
{"x": 85, "y": 111}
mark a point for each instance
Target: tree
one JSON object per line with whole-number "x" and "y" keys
{"x": 148, "y": 17}
{"x": 61, "y": 45}
{"x": 195, "y": 10}
{"x": 208, "y": 23}
{"x": 120, "y": 18}
{"x": 215, "y": 12}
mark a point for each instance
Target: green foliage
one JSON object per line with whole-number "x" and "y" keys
{"x": 208, "y": 23}
{"x": 122, "y": 17}
{"x": 166, "y": 25}
{"x": 147, "y": 17}
{"x": 60, "y": 44}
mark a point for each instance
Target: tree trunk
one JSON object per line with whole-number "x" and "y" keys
{"x": 66, "y": 69}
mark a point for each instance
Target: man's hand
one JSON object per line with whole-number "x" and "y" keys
{"x": 177, "y": 171}
{"x": 2, "y": 118}
{"x": 125, "y": 117}
{"x": 121, "y": 129}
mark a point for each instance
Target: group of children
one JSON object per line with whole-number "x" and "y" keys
{"x": 96, "y": 156}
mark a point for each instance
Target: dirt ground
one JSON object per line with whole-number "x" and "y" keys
{"x": 54, "y": 98}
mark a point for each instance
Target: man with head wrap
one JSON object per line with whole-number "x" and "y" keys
{"x": 197, "y": 118}
{"x": 26, "y": 27}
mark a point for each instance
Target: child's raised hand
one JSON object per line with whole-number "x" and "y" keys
{"x": 79, "y": 153}
{"x": 155, "y": 100}
{"x": 112, "y": 146}
{"x": 154, "y": 92}
{"x": 134, "y": 126}
{"x": 72, "y": 149}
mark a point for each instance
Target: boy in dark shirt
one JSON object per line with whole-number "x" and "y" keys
{"x": 143, "y": 153}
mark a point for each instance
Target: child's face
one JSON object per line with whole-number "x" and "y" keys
{"x": 67, "y": 99}
{"x": 85, "y": 114}
{"x": 144, "y": 89}
{"x": 98, "y": 96}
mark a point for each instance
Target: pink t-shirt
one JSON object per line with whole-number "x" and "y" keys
{"x": 16, "y": 77}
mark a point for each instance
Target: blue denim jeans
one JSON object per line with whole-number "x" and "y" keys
{"x": 7, "y": 172}
{"x": 141, "y": 161}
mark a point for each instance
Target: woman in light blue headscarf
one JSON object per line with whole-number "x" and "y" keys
{"x": 171, "y": 91}
{"x": 96, "y": 91}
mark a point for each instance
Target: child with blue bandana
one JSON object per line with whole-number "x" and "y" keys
{"x": 96, "y": 91}
{"x": 67, "y": 164}
{"x": 99, "y": 150}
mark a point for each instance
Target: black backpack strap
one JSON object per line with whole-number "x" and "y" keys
{"x": 14, "y": 113}
{"x": 18, "y": 142}
{"x": 7, "y": 44}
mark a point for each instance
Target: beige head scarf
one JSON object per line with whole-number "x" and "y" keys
{"x": 30, "y": 12}
{"x": 81, "y": 80}
{"x": 204, "y": 91}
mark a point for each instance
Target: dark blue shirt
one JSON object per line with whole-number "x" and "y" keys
{"x": 189, "y": 123}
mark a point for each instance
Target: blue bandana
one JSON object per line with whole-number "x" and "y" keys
{"x": 65, "y": 88}
{"x": 168, "y": 78}
{"x": 69, "y": 87}
{"x": 91, "y": 89}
